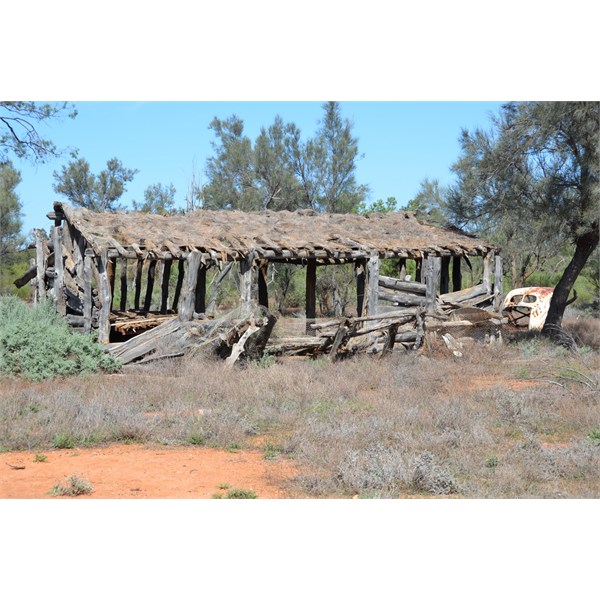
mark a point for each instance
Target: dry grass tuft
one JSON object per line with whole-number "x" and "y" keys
{"x": 507, "y": 421}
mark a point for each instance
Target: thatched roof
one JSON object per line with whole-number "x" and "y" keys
{"x": 284, "y": 235}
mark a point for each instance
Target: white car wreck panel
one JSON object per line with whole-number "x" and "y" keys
{"x": 528, "y": 306}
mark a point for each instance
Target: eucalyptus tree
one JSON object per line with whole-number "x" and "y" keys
{"x": 100, "y": 193}
{"x": 158, "y": 199}
{"x": 20, "y": 129}
{"x": 535, "y": 175}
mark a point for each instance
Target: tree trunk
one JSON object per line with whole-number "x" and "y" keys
{"x": 584, "y": 247}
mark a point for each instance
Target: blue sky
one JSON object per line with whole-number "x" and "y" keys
{"x": 402, "y": 143}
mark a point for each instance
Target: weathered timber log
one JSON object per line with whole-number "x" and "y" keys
{"x": 360, "y": 267}
{"x": 138, "y": 284}
{"x": 311, "y": 293}
{"x": 41, "y": 251}
{"x": 390, "y": 339}
{"x": 434, "y": 267}
{"x": 59, "y": 298}
{"x": 445, "y": 275}
{"x": 112, "y": 272}
{"x": 456, "y": 274}
{"x": 200, "y": 297}
{"x": 340, "y": 337}
{"x": 210, "y": 307}
{"x": 179, "y": 284}
{"x": 263, "y": 292}
{"x": 105, "y": 299}
{"x": 463, "y": 295}
{"x": 239, "y": 346}
{"x": 410, "y": 287}
{"x": 257, "y": 342}
{"x": 400, "y": 299}
{"x": 150, "y": 285}
{"x": 246, "y": 285}
{"x": 498, "y": 288}
{"x": 30, "y": 274}
{"x": 373, "y": 283}
{"x": 164, "y": 288}
{"x": 488, "y": 266}
{"x": 123, "y": 303}
{"x": 189, "y": 295}
{"x": 87, "y": 293}
{"x": 296, "y": 346}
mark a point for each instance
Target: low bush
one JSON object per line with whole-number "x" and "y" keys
{"x": 37, "y": 344}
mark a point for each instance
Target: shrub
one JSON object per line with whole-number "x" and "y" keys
{"x": 75, "y": 487}
{"x": 240, "y": 494}
{"x": 37, "y": 344}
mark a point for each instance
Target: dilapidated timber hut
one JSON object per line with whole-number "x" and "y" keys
{"x": 78, "y": 265}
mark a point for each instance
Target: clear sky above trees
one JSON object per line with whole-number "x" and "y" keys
{"x": 402, "y": 142}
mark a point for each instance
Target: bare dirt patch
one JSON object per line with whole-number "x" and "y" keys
{"x": 145, "y": 471}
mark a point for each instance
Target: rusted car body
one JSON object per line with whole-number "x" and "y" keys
{"x": 528, "y": 307}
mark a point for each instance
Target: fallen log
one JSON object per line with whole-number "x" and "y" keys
{"x": 410, "y": 287}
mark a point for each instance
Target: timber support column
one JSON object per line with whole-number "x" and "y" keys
{"x": 445, "y": 278}
{"x": 488, "y": 262}
{"x": 311, "y": 294}
{"x": 105, "y": 297}
{"x": 246, "y": 285}
{"x": 188, "y": 300}
{"x": 373, "y": 294}
{"x": 263, "y": 292}
{"x": 456, "y": 274}
{"x": 432, "y": 279}
{"x": 40, "y": 260}
{"x": 88, "y": 301}
{"x": 59, "y": 275}
{"x": 498, "y": 287}
{"x": 361, "y": 277}
{"x": 200, "y": 296}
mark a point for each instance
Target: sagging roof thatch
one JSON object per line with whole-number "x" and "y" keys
{"x": 284, "y": 235}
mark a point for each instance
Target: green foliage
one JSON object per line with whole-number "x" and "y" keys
{"x": 594, "y": 437}
{"x": 280, "y": 171}
{"x": 10, "y": 211}
{"x": 379, "y": 206}
{"x": 40, "y": 458}
{"x": 37, "y": 344}
{"x": 430, "y": 204}
{"x": 75, "y": 486}
{"x": 63, "y": 440}
{"x": 241, "y": 494}
{"x": 18, "y": 133}
{"x": 100, "y": 192}
{"x": 158, "y": 199}
{"x": 533, "y": 183}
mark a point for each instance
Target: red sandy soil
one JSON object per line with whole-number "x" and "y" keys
{"x": 145, "y": 471}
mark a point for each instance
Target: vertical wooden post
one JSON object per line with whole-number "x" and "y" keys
{"x": 40, "y": 260}
{"x": 498, "y": 287}
{"x": 263, "y": 292}
{"x": 59, "y": 295}
{"x": 488, "y": 262}
{"x": 123, "y": 305}
{"x": 360, "y": 267}
{"x": 445, "y": 278}
{"x": 373, "y": 293}
{"x": 150, "y": 286}
{"x": 188, "y": 300}
{"x": 138, "y": 284}
{"x": 402, "y": 268}
{"x": 456, "y": 274}
{"x": 432, "y": 279}
{"x": 112, "y": 268}
{"x": 419, "y": 270}
{"x": 87, "y": 292}
{"x": 245, "y": 285}
{"x": 165, "y": 287}
{"x": 104, "y": 294}
{"x": 311, "y": 294}
{"x": 200, "y": 297}
{"x": 179, "y": 285}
